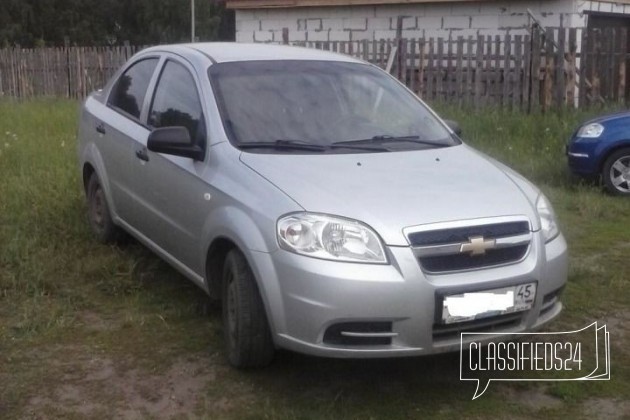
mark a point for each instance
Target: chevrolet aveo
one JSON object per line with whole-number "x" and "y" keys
{"x": 331, "y": 210}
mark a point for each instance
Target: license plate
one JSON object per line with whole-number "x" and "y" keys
{"x": 487, "y": 303}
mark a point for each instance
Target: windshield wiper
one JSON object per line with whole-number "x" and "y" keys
{"x": 388, "y": 138}
{"x": 283, "y": 144}
{"x": 303, "y": 145}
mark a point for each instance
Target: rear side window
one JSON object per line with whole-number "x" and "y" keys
{"x": 176, "y": 103}
{"x": 131, "y": 88}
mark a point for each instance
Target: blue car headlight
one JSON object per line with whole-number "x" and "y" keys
{"x": 590, "y": 131}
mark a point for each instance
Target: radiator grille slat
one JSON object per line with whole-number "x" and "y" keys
{"x": 462, "y": 234}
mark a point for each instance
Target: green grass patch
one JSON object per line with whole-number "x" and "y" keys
{"x": 95, "y": 331}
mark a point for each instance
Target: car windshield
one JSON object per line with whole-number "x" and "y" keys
{"x": 299, "y": 106}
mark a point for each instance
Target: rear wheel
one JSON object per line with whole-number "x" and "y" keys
{"x": 247, "y": 335}
{"x": 102, "y": 225}
{"x": 616, "y": 172}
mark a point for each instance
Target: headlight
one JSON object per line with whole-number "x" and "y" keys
{"x": 547, "y": 217}
{"x": 591, "y": 131}
{"x": 330, "y": 238}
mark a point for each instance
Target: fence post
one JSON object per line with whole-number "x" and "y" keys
{"x": 596, "y": 57}
{"x": 584, "y": 62}
{"x": 621, "y": 96}
{"x": 127, "y": 50}
{"x": 66, "y": 43}
{"x": 459, "y": 75}
{"x": 534, "y": 96}
{"x": 507, "y": 64}
{"x": 478, "y": 69}
{"x": 399, "y": 44}
{"x": 572, "y": 68}
{"x": 560, "y": 66}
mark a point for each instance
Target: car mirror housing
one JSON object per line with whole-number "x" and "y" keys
{"x": 174, "y": 141}
{"x": 454, "y": 125}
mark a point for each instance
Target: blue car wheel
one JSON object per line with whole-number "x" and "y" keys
{"x": 616, "y": 172}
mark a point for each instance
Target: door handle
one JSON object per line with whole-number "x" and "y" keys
{"x": 142, "y": 155}
{"x": 100, "y": 128}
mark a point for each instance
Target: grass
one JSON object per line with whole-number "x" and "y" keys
{"x": 94, "y": 331}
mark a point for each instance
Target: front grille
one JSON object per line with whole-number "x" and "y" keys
{"x": 457, "y": 262}
{"x": 459, "y": 248}
{"x": 462, "y": 234}
{"x": 364, "y": 334}
{"x": 497, "y": 323}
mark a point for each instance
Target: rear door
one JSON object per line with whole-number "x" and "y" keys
{"x": 119, "y": 126}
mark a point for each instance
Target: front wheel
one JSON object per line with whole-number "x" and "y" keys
{"x": 616, "y": 172}
{"x": 248, "y": 339}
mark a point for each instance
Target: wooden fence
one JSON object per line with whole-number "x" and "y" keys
{"x": 543, "y": 69}
{"x": 71, "y": 72}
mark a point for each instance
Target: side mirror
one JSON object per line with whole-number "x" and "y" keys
{"x": 174, "y": 141}
{"x": 453, "y": 125}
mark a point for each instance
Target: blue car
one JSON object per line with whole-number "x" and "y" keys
{"x": 601, "y": 147}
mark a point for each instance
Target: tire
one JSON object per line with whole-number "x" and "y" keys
{"x": 247, "y": 335}
{"x": 101, "y": 223}
{"x": 616, "y": 172}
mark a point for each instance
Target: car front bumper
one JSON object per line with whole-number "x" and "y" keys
{"x": 582, "y": 157}
{"x": 305, "y": 296}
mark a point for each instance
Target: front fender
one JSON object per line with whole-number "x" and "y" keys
{"x": 234, "y": 224}
{"x": 237, "y": 226}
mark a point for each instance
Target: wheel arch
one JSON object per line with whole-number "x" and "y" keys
{"x": 92, "y": 163}
{"x": 625, "y": 144}
{"x": 87, "y": 172}
{"x": 215, "y": 262}
{"x": 229, "y": 236}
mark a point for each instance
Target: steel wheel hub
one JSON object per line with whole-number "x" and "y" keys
{"x": 620, "y": 174}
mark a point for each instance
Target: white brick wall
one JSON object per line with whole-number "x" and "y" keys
{"x": 379, "y": 23}
{"x": 456, "y": 22}
{"x": 516, "y": 20}
{"x": 332, "y": 23}
{"x": 339, "y": 35}
{"x": 247, "y": 25}
{"x": 317, "y": 35}
{"x": 389, "y": 34}
{"x": 357, "y": 23}
{"x": 428, "y": 20}
{"x": 484, "y": 21}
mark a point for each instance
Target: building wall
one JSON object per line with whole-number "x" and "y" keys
{"x": 352, "y": 23}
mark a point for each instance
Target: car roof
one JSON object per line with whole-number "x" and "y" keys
{"x": 221, "y": 52}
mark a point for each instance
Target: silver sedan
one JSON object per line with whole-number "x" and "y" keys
{"x": 328, "y": 207}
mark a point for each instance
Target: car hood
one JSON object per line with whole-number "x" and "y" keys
{"x": 392, "y": 191}
{"x": 608, "y": 117}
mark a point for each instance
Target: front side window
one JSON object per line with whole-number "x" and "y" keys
{"x": 176, "y": 103}
{"x": 131, "y": 88}
{"x": 321, "y": 105}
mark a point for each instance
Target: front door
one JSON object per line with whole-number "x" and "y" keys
{"x": 174, "y": 199}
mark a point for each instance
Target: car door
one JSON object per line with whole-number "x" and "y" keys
{"x": 174, "y": 199}
{"x": 118, "y": 126}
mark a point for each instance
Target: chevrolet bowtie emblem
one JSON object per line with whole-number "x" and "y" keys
{"x": 477, "y": 245}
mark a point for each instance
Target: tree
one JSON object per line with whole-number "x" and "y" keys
{"x": 106, "y": 22}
